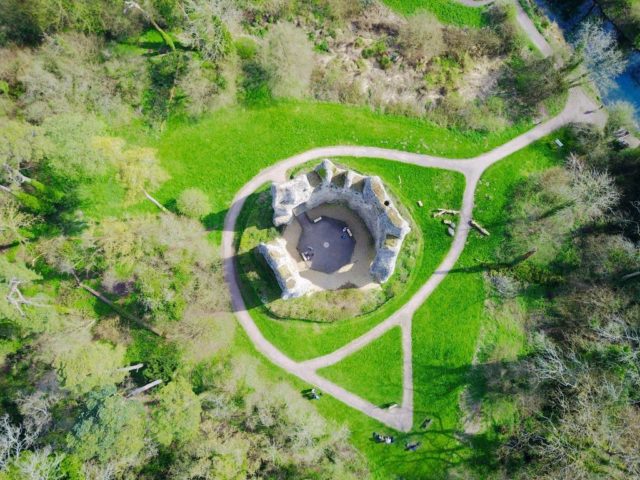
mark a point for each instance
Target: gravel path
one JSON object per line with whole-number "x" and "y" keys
{"x": 400, "y": 418}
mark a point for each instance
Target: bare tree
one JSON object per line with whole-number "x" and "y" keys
{"x": 14, "y": 439}
{"x": 41, "y": 465}
{"x": 206, "y": 29}
{"x": 17, "y": 299}
{"x": 593, "y": 192}
{"x": 36, "y": 410}
{"x": 600, "y": 54}
{"x": 422, "y": 38}
{"x": 287, "y": 56}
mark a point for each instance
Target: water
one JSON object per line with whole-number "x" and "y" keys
{"x": 568, "y": 19}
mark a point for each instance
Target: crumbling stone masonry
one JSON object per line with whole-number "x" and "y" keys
{"x": 328, "y": 183}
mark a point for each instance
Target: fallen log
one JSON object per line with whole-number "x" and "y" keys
{"x": 117, "y": 309}
{"x": 445, "y": 211}
{"x": 135, "y": 367}
{"x": 154, "y": 201}
{"x": 144, "y": 388}
{"x": 630, "y": 276}
{"x": 479, "y": 227}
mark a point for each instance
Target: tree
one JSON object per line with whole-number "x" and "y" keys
{"x": 201, "y": 333}
{"x": 621, "y": 117}
{"x": 138, "y": 168}
{"x": 206, "y": 29}
{"x": 538, "y": 80}
{"x": 14, "y": 439}
{"x": 111, "y": 429}
{"x": 594, "y": 193}
{"x": 27, "y": 314}
{"x": 177, "y": 413}
{"x": 421, "y": 38}
{"x": 13, "y": 222}
{"x": 287, "y": 57}
{"x": 43, "y": 464}
{"x": 71, "y": 154}
{"x": 83, "y": 364}
{"x": 273, "y": 433}
{"x": 598, "y": 49}
{"x": 193, "y": 203}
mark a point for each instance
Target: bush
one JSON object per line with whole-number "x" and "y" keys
{"x": 207, "y": 86}
{"x": 160, "y": 357}
{"x": 206, "y": 30}
{"x": 193, "y": 203}
{"x": 287, "y": 58}
{"x": 621, "y": 116}
{"x": 502, "y": 17}
{"x": 29, "y": 22}
{"x": 421, "y": 38}
{"x": 246, "y": 48}
{"x": 345, "y": 9}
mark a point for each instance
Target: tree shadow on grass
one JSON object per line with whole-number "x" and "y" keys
{"x": 442, "y": 443}
{"x": 259, "y": 199}
{"x": 253, "y": 299}
{"x": 215, "y": 220}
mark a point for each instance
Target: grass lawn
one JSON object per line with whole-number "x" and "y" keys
{"x": 445, "y": 335}
{"x": 447, "y": 11}
{"x": 381, "y": 386}
{"x": 409, "y": 183}
{"x": 226, "y": 148}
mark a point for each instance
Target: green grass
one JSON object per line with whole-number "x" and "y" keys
{"x": 409, "y": 183}
{"x": 382, "y": 385}
{"x": 446, "y": 327}
{"x": 222, "y": 151}
{"x": 445, "y": 335}
{"x": 225, "y": 149}
{"x": 447, "y": 11}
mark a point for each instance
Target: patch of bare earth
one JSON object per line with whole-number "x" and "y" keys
{"x": 481, "y": 80}
{"x": 345, "y": 75}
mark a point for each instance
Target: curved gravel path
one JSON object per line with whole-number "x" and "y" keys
{"x": 400, "y": 418}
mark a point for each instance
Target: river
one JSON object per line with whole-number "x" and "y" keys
{"x": 569, "y": 18}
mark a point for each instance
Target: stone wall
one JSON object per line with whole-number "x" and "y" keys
{"x": 366, "y": 195}
{"x": 285, "y": 269}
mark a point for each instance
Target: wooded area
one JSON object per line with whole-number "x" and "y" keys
{"x": 119, "y": 355}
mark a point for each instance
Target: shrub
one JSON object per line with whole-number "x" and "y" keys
{"x": 160, "y": 357}
{"x": 621, "y": 115}
{"x": 206, "y": 30}
{"x": 345, "y": 9}
{"x": 421, "y": 38}
{"x": 246, "y": 48}
{"x": 165, "y": 72}
{"x": 193, "y": 203}
{"x": 287, "y": 58}
{"x": 207, "y": 86}
{"x": 255, "y": 84}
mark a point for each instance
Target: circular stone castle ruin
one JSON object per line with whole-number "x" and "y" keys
{"x": 326, "y": 244}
